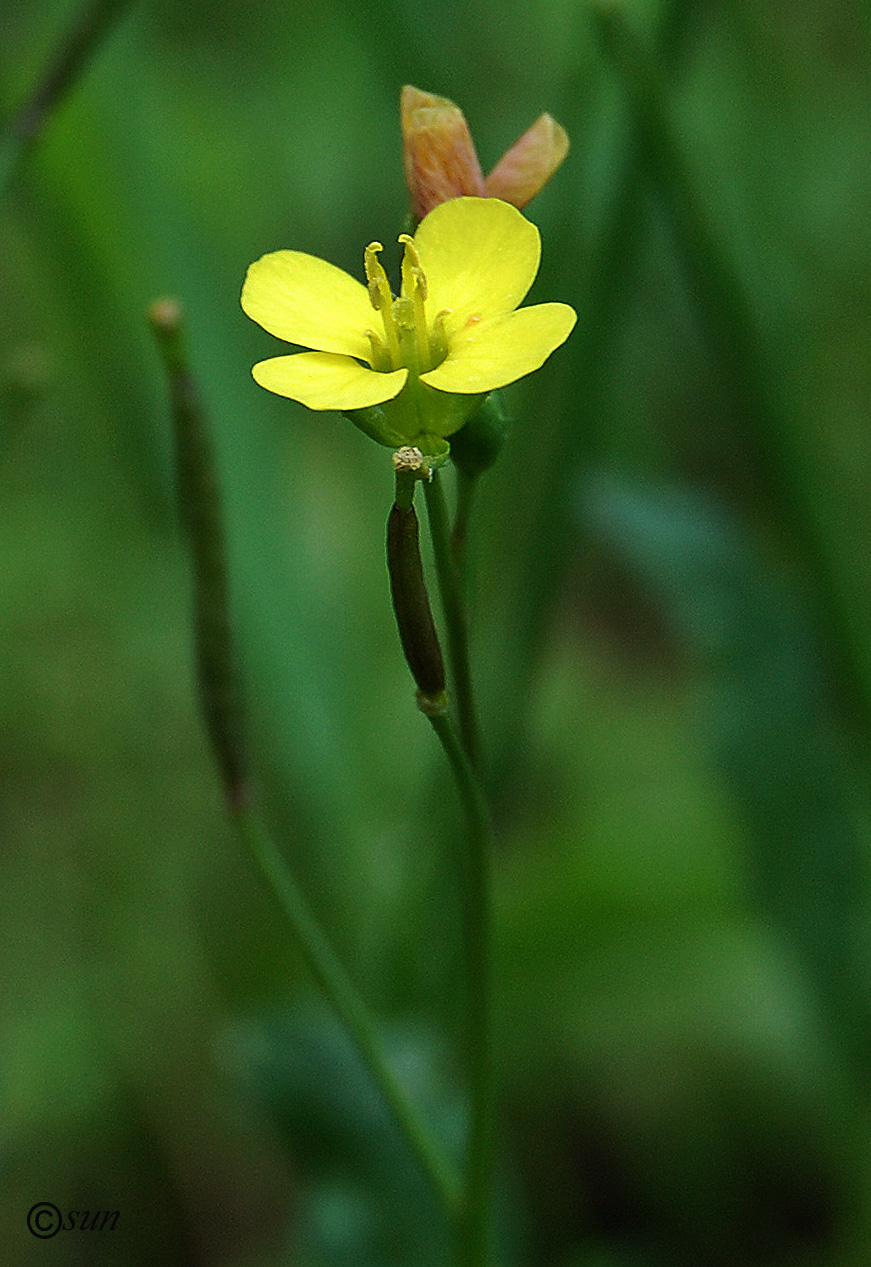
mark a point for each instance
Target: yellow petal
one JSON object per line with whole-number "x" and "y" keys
{"x": 530, "y": 163}
{"x": 497, "y": 352}
{"x": 305, "y": 300}
{"x": 321, "y": 380}
{"x": 480, "y": 257}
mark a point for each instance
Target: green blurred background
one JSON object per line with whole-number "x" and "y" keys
{"x": 671, "y": 631}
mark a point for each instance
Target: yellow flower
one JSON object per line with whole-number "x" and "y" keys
{"x": 412, "y": 369}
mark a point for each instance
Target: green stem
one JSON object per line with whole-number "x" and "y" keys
{"x": 66, "y": 64}
{"x": 411, "y": 606}
{"x": 455, "y": 615}
{"x": 338, "y": 988}
{"x": 473, "y": 1239}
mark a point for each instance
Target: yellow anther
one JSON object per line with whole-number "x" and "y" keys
{"x": 381, "y": 298}
{"x": 413, "y": 276}
{"x": 414, "y": 289}
{"x": 379, "y": 287}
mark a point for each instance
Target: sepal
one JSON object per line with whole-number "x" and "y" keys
{"x": 373, "y": 423}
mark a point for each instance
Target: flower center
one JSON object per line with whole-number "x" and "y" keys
{"x": 409, "y": 342}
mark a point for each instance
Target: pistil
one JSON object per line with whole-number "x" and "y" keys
{"x": 406, "y": 328}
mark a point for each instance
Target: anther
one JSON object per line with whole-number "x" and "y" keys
{"x": 413, "y": 276}
{"x": 414, "y": 288}
{"x": 379, "y": 287}
{"x": 381, "y": 299}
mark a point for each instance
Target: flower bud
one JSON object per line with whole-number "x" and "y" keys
{"x": 441, "y": 161}
{"x": 439, "y": 153}
{"x": 533, "y": 158}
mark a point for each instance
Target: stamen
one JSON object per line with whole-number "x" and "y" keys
{"x": 439, "y": 336}
{"x": 381, "y": 298}
{"x": 412, "y": 273}
{"x": 380, "y": 357}
{"x": 379, "y": 287}
{"x": 414, "y": 287}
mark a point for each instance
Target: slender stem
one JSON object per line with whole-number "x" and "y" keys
{"x": 420, "y": 644}
{"x": 422, "y": 652}
{"x": 67, "y": 62}
{"x": 473, "y": 1240}
{"x": 333, "y": 979}
{"x": 455, "y": 615}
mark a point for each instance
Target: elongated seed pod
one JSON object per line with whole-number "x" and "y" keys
{"x": 417, "y": 631}
{"x": 202, "y": 514}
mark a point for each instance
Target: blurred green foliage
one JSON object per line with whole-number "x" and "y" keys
{"x": 671, "y": 627}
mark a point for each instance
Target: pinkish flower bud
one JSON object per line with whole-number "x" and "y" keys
{"x": 441, "y": 162}
{"x": 533, "y": 158}
{"x": 440, "y": 158}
